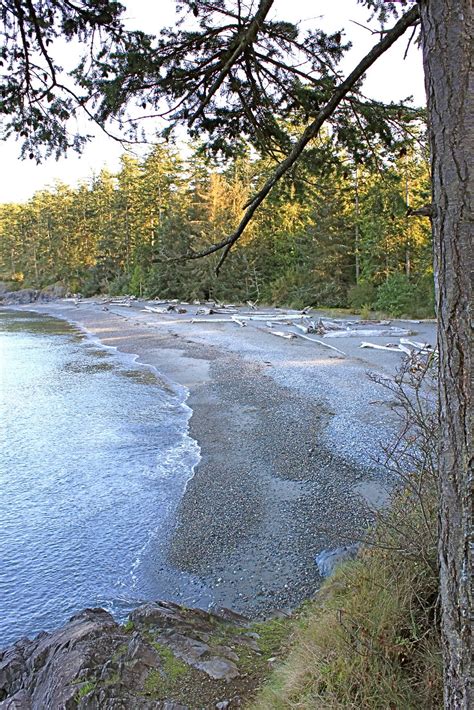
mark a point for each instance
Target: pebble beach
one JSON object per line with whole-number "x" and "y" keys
{"x": 291, "y": 435}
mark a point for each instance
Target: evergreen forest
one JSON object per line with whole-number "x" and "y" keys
{"x": 333, "y": 233}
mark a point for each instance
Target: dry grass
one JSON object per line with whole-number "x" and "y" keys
{"x": 370, "y": 640}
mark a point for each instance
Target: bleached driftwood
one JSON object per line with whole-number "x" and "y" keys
{"x": 425, "y": 347}
{"x": 238, "y": 321}
{"x": 167, "y": 309}
{"x": 152, "y": 309}
{"x": 119, "y": 302}
{"x": 325, "y": 324}
{"x": 406, "y": 346}
{"x": 267, "y": 317}
{"x": 353, "y": 333}
{"x": 376, "y": 346}
{"x": 320, "y": 342}
{"x": 281, "y": 334}
{"x": 303, "y": 328}
{"x": 209, "y": 320}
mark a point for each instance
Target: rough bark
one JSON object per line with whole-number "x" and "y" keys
{"x": 447, "y": 31}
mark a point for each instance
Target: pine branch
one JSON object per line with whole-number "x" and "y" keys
{"x": 390, "y": 37}
{"x": 244, "y": 42}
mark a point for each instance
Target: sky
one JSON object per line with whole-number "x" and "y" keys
{"x": 391, "y": 78}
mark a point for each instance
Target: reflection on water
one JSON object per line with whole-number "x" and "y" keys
{"x": 94, "y": 457}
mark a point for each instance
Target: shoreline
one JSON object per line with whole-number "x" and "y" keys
{"x": 271, "y": 490}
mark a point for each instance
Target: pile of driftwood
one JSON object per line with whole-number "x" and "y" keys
{"x": 170, "y": 308}
{"x": 294, "y": 325}
{"x": 403, "y": 346}
{"x": 299, "y": 325}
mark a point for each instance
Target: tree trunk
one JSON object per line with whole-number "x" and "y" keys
{"x": 447, "y": 31}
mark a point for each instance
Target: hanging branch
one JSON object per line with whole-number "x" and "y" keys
{"x": 245, "y": 41}
{"x": 390, "y": 37}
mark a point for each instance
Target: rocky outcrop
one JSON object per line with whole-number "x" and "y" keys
{"x": 166, "y": 656}
{"x": 32, "y": 295}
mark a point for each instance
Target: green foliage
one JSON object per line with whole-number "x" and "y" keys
{"x": 128, "y": 626}
{"x": 396, "y": 295}
{"x": 361, "y": 295}
{"x": 119, "y": 286}
{"x": 88, "y": 285}
{"x": 172, "y": 667}
{"x": 136, "y": 283}
{"x": 128, "y": 233}
{"x": 85, "y": 689}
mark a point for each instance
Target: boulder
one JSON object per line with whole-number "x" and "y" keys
{"x": 328, "y": 560}
{"x": 32, "y": 295}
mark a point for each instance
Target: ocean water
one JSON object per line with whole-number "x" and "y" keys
{"x": 94, "y": 459}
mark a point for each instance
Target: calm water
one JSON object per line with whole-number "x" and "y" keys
{"x": 94, "y": 458}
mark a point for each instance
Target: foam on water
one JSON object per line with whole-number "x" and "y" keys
{"x": 94, "y": 459}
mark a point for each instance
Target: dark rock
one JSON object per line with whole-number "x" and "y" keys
{"x": 328, "y": 560}
{"x": 42, "y": 673}
{"x": 57, "y": 290}
{"x": 231, "y": 616}
{"x": 31, "y": 295}
{"x": 21, "y": 297}
{"x": 93, "y": 662}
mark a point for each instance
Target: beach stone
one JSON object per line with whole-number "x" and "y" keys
{"x": 328, "y": 560}
{"x": 218, "y": 668}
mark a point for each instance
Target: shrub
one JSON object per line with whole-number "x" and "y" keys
{"x": 90, "y": 284}
{"x": 300, "y": 289}
{"x": 396, "y": 295}
{"x": 361, "y": 295}
{"x": 137, "y": 281}
{"x": 119, "y": 286}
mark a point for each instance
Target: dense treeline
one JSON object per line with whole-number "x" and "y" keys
{"x": 333, "y": 237}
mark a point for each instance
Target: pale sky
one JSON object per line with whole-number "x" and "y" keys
{"x": 391, "y": 78}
